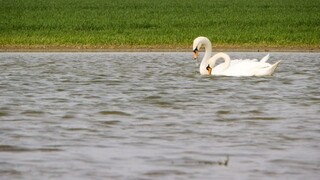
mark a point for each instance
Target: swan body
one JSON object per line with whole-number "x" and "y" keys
{"x": 237, "y": 67}
{"x": 240, "y": 67}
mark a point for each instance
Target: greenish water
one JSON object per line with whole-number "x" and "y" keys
{"x": 152, "y": 116}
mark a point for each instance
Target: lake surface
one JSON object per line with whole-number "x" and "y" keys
{"x": 152, "y": 116}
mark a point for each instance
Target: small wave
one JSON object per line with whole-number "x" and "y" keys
{"x": 3, "y": 113}
{"x": 9, "y": 148}
{"x": 32, "y": 113}
{"x": 110, "y": 122}
{"x": 164, "y": 173}
{"x": 116, "y": 113}
{"x": 222, "y": 112}
{"x": 263, "y": 118}
{"x": 68, "y": 116}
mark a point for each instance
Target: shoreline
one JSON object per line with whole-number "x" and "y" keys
{"x": 75, "y": 49}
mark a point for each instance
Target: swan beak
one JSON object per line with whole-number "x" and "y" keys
{"x": 195, "y": 54}
{"x": 209, "y": 69}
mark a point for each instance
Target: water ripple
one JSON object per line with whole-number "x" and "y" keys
{"x": 9, "y": 148}
{"x": 152, "y": 116}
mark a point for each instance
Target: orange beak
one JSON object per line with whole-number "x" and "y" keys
{"x": 195, "y": 54}
{"x": 209, "y": 70}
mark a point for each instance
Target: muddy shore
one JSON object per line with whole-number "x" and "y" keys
{"x": 152, "y": 49}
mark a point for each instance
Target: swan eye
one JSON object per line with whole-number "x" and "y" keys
{"x": 208, "y": 67}
{"x": 195, "y": 50}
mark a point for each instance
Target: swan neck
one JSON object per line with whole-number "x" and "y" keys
{"x": 207, "y": 55}
{"x": 227, "y": 62}
{"x": 224, "y": 56}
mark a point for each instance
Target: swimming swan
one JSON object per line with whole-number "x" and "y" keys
{"x": 246, "y": 67}
{"x": 240, "y": 67}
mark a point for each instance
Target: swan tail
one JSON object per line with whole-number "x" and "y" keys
{"x": 268, "y": 71}
{"x": 273, "y": 68}
{"x": 265, "y": 58}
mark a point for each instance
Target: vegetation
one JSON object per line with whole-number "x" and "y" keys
{"x": 159, "y": 23}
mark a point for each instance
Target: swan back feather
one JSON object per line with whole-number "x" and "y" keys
{"x": 245, "y": 67}
{"x": 265, "y": 58}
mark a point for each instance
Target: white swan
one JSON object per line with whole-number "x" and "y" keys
{"x": 240, "y": 67}
{"x": 197, "y": 43}
{"x": 230, "y": 68}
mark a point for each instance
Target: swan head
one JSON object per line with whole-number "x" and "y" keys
{"x": 197, "y": 43}
{"x": 196, "y": 46}
{"x": 195, "y": 53}
{"x": 212, "y": 62}
{"x": 209, "y": 69}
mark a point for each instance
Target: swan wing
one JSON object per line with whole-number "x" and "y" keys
{"x": 239, "y": 67}
{"x": 268, "y": 71}
{"x": 265, "y": 58}
{"x": 246, "y": 68}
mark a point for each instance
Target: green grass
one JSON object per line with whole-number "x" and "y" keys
{"x": 159, "y": 23}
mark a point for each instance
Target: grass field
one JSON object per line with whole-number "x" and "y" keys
{"x": 159, "y": 23}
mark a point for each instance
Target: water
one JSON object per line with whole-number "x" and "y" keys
{"x": 152, "y": 116}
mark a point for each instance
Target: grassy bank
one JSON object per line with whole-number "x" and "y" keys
{"x": 159, "y": 23}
